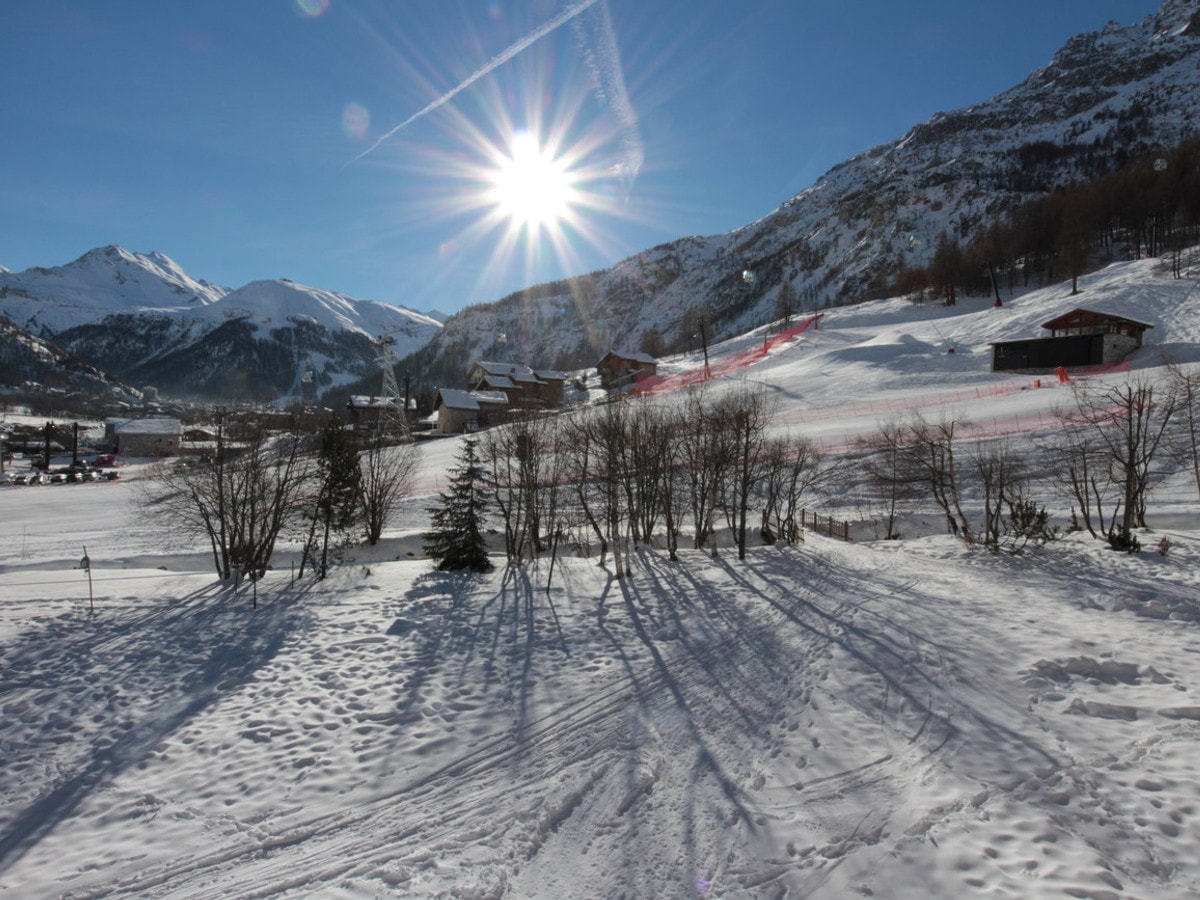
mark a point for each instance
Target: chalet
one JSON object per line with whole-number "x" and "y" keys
{"x": 143, "y": 437}
{"x": 525, "y": 388}
{"x": 459, "y": 411}
{"x": 620, "y": 370}
{"x": 1078, "y": 339}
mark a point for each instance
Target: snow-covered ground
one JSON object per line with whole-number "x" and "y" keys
{"x": 888, "y": 719}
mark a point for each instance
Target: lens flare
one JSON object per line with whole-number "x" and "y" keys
{"x": 312, "y": 8}
{"x": 356, "y": 120}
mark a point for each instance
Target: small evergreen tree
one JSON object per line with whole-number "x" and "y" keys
{"x": 335, "y": 509}
{"x": 455, "y": 539}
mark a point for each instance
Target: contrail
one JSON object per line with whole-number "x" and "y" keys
{"x": 500, "y": 59}
{"x": 604, "y": 59}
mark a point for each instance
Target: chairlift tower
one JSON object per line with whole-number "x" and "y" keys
{"x": 393, "y": 417}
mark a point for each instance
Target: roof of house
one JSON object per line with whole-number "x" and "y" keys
{"x": 147, "y": 426}
{"x": 499, "y": 382}
{"x": 520, "y": 374}
{"x": 629, "y": 356}
{"x": 455, "y": 398}
{"x": 1079, "y": 314}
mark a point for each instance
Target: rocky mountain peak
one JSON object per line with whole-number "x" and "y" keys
{"x": 1180, "y": 17}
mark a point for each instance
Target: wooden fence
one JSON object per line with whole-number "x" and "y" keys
{"x": 826, "y": 525}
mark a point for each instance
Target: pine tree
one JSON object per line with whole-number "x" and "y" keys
{"x": 455, "y": 540}
{"x": 336, "y": 510}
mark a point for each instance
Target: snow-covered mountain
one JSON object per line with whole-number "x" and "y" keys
{"x": 1106, "y": 98}
{"x": 105, "y": 281}
{"x": 144, "y": 319}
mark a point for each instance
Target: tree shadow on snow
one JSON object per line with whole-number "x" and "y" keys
{"x": 93, "y": 696}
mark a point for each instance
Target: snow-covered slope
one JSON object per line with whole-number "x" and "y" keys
{"x": 888, "y": 719}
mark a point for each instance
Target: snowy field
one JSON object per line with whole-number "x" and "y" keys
{"x": 829, "y": 720}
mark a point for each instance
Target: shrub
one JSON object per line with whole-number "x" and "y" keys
{"x": 1123, "y": 540}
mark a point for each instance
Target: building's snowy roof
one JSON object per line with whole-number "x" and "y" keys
{"x": 454, "y": 398}
{"x": 515, "y": 371}
{"x": 1079, "y": 313}
{"x": 630, "y": 356}
{"x": 500, "y": 382}
{"x": 147, "y": 426}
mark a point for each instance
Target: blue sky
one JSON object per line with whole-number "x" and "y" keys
{"x": 252, "y": 140}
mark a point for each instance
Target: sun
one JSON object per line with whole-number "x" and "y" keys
{"x": 531, "y": 187}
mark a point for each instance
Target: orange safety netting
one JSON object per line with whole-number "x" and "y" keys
{"x": 665, "y": 384}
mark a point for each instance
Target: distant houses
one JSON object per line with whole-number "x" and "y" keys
{"x": 495, "y": 391}
{"x": 525, "y": 388}
{"x": 1078, "y": 339}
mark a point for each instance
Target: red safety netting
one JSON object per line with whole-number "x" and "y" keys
{"x": 665, "y": 384}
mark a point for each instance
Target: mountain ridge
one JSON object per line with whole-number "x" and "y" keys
{"x": 144, "y": 319}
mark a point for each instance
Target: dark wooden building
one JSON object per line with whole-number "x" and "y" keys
{"x": 619, "y": 370}
{"x": 1078, "y": 339}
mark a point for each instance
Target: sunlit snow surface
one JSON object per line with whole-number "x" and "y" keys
{"x": 887, "y": 719}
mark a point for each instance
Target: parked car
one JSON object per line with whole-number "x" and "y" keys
{"x": 58, "y": 478}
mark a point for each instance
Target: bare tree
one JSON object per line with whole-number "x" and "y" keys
{"x": 516, "y": 456}
{"x": 242, "y": 498}
{"x": 792, "y": 467}
{"x": 744, "y": 415}
{"x": 674, "y": 491}
{"x": 787, "y": 304}
{"x": 595, "y": 448}
{"x": 1081, "y": 467}
{"x": 1001, "y": 477}
{"x": 706, "y": 451}
{"x": 1131, "y": 421}
{"x": 888, "y": 464}
{"x": 648, "y": 449}
{"x": 1188, "y": 388}
{"x": 387, "y": 476}
{"x": 932, "y": 448}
